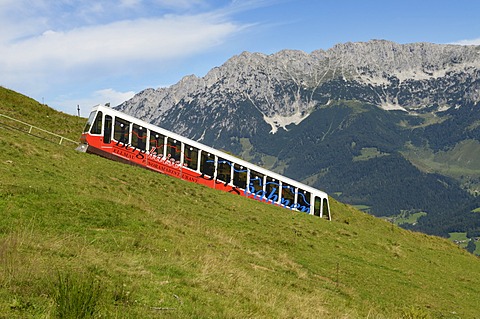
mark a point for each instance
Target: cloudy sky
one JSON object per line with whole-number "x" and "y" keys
{"x": 66, "y": 53}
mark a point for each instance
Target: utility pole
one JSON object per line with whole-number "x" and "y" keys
{"x": 78, "y": 109}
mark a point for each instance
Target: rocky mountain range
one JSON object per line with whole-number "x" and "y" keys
{"x": 284, "y": 87}
{"x": 356, "y": 107}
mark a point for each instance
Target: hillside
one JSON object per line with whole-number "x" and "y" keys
{"x": 136, "y": 244}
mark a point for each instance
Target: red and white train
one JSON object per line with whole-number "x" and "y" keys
{"x": 120, "y": 137}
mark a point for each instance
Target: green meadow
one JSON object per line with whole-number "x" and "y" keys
{"x": 85, "y": 237}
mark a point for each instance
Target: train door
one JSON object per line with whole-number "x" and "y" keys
{"x": 326, "y": 209}
{"x": 107, "y": 130}
{"x": 317, "y": 209}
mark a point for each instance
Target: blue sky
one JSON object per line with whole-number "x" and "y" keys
{"x": 66, "y": 53}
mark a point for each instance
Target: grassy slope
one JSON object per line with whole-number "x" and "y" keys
{"x": 161, "y": 247}
{"x": 461, "y": 162}
{"x": 30, "y": 111}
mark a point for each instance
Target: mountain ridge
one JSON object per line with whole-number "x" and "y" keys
{"x": 384, "y": 68}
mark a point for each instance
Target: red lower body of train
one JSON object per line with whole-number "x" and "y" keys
{"x": 124, "y": 153}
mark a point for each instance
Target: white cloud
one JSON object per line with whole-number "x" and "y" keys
{"x": 45, "y": 47}
{"x": 113, "y": 97}
{"x": 468, "y": 42}
{"x": 116, "y": 43}
{"x": 60, "y": 49}
{"x": 109, "y": 95}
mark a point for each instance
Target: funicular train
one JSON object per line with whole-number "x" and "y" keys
{"x": 120, "y": 137}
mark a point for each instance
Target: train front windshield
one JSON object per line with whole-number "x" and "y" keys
{"x": 90, "y": 120}
{"x": 94, "y": 123}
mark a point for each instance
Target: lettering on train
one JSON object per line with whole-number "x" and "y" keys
{"x": 261, "y": 195}
{"x": 126, "y": 150}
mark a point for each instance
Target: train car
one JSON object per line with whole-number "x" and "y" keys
{"x": 120, "y": 137}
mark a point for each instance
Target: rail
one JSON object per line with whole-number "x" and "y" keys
{"x": 35, "y": 131}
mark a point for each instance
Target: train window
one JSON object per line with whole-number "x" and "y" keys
{"x": 174, "y": 149}
{"x": 107, "y": 130}
{"x": 256, "y": 182}
{"x": 139, "y": 137}
{"x": 317, "y": 206}
{"x": 224, "y": 170}
{"x": 303, "y": 200}
{"x": 239, "y": 176}
{"x": 90, "y": 120}
{"x": 272, "y": 187}
{"x": 190, "y": 157}
{"x": 121, "y": 130}
{"x": 207, "y": 164}
{"x": 288, "y": 195}
{"x": 94, "y": 124}
{"x": 157, "y": 141}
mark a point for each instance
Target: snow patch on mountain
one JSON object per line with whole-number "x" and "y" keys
{"x": 282, "y": 121}
{"x": 387, "y": 106}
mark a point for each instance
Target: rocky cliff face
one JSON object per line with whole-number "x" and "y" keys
{"x": 283, "y": 88}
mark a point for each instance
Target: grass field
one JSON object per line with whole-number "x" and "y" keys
{"x": 405, "y": 218}
{"x": 85, "y": 237}
{"x": 369, "y": 153}
{"x": 364, "y": 208}
{"x": 458, "y": 236}
{"x": 462, "y": 240}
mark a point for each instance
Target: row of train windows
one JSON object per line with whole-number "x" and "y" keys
{"x": 226, "y": 171}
